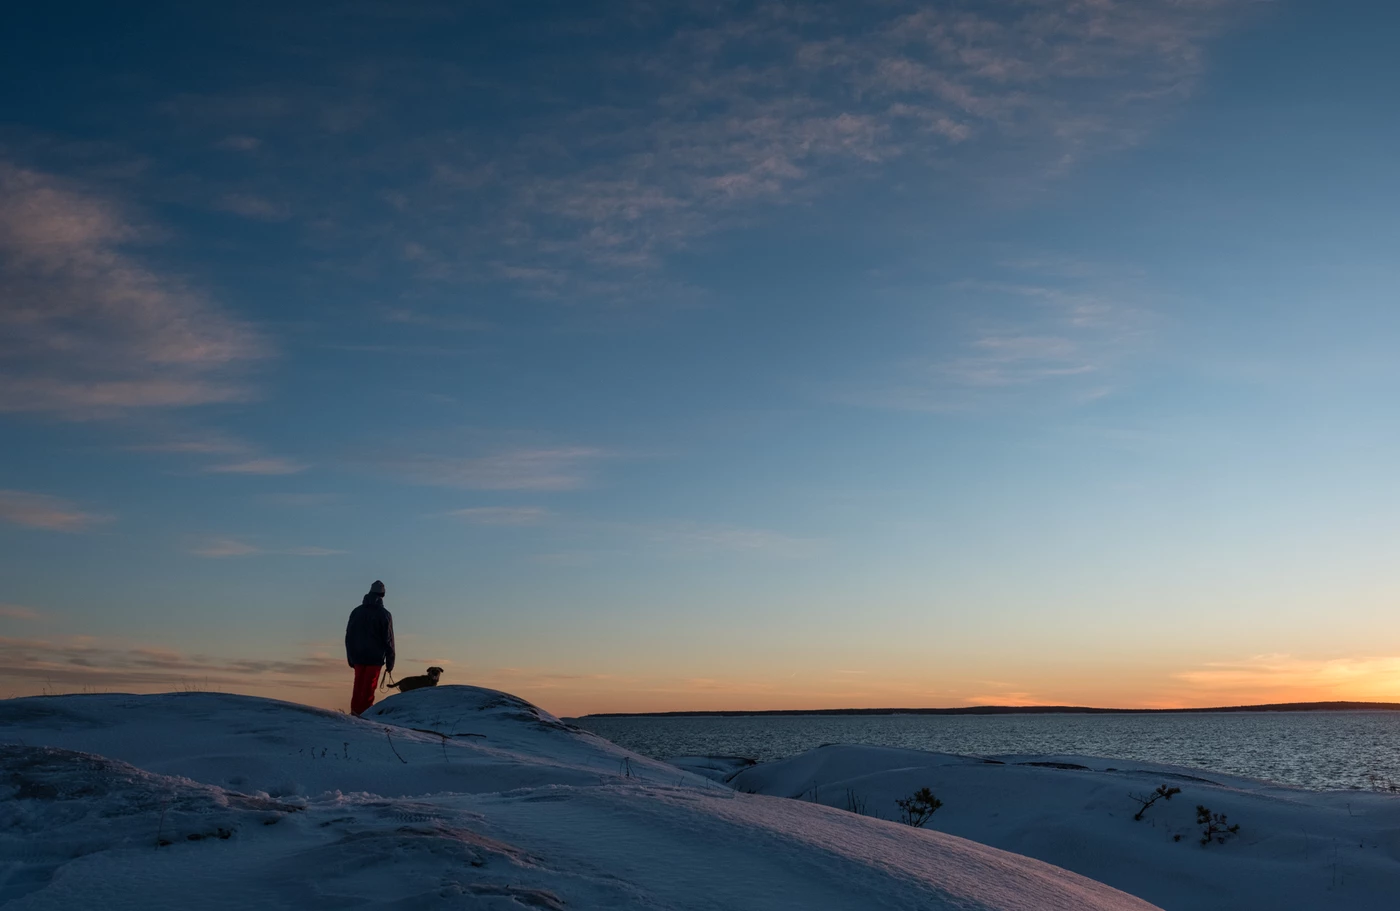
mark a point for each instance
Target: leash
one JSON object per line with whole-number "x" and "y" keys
{"x": 385, "y": 682}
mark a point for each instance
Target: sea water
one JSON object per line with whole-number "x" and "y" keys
{"x": 1318, "y": 750}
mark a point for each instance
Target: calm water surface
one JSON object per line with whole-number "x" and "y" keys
{"x": 1318, "y": 750}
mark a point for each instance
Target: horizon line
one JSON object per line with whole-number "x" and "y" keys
{"x": 1330, "y": 705}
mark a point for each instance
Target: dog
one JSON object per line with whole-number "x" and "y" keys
{"x": 418, "y": 682}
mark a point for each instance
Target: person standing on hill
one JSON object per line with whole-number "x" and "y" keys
{"x": 369, "y": 645}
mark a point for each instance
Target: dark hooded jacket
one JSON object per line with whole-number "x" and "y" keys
{"x": 369, "y": 636}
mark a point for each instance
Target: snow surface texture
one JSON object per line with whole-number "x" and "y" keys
{"x": 715, "y": 768}
{"x": 453, "y": 797}
{"x": 1296, "y": 849}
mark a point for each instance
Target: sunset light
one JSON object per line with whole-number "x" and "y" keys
{"x": 571, "y": 392}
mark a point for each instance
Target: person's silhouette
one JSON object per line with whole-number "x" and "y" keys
{"x": 369, "y": 646}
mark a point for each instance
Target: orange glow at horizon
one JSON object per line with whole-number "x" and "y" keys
{"x": 1267, "y": 679}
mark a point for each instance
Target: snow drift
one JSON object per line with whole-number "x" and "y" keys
{"x": 447, "y": 797}
{"x": 1296, "y": 850}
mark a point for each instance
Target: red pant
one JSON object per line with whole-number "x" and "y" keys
{"x": 366, "y": 679}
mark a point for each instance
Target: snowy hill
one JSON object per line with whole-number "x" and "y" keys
{"x": 1296, "y": 850}
{"x": 445, "y": 798}
{"x": 496, "y": 742}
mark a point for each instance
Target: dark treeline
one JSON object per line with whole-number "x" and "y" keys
{"x": 1030, "y": 710}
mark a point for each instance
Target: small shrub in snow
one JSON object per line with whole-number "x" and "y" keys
{"x": 1382, "y": 783}
{"x": 392, "y": 747}
{"x": 918, "y": 808}
{"x": 1146, "y": 800}
{"x": 1214, "y": 826}
{"x": 855, "y": 804}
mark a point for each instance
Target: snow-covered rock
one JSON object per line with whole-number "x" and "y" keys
{"x": 461, "y": 739}
{"x": 715, "y": 768}
{"x": 1296, "y": 850}
{"x": 446, "y": 798}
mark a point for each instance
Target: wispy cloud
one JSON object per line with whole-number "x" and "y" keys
{"x": 502, "y": 515}
{"x": 299, "y": 499}
{"x": 310, "y": 552}
{"x": 226, "y": 547}
{"x": 211, "y": 445}
{"x": 18, "y": 612}
{"x": 263, "y": 466}
{"x": 1289, "y": 678}
{"x": 246, "y": 458}
{"x": 443, "y": 322}
{"x": 239, "y": 143}
{"x": 549, "y": 469}
{"x": 1049, "y": 335}
{"x": 1015, "y": 360}
{"x": 88, "y": 329}
{"x": 237, "y": 547}
{"x": 772, "y": 104}
{"x": 255, "y": 207}
{"x": 699, "y": 537}
{"x": 680, "y": 538}
{"x": 35, "y": 510}
{"x": 714, "y": 113}
{"x": 82, "y": 663}
{"x": 542, "y": 679}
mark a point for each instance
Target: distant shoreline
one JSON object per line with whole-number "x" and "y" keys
{"x": 1023, "y": 710}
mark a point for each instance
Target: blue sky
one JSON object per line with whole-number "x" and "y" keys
{"x": 666, "y": 356}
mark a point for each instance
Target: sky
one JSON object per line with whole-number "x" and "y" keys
{"x": 704, "y": 355}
